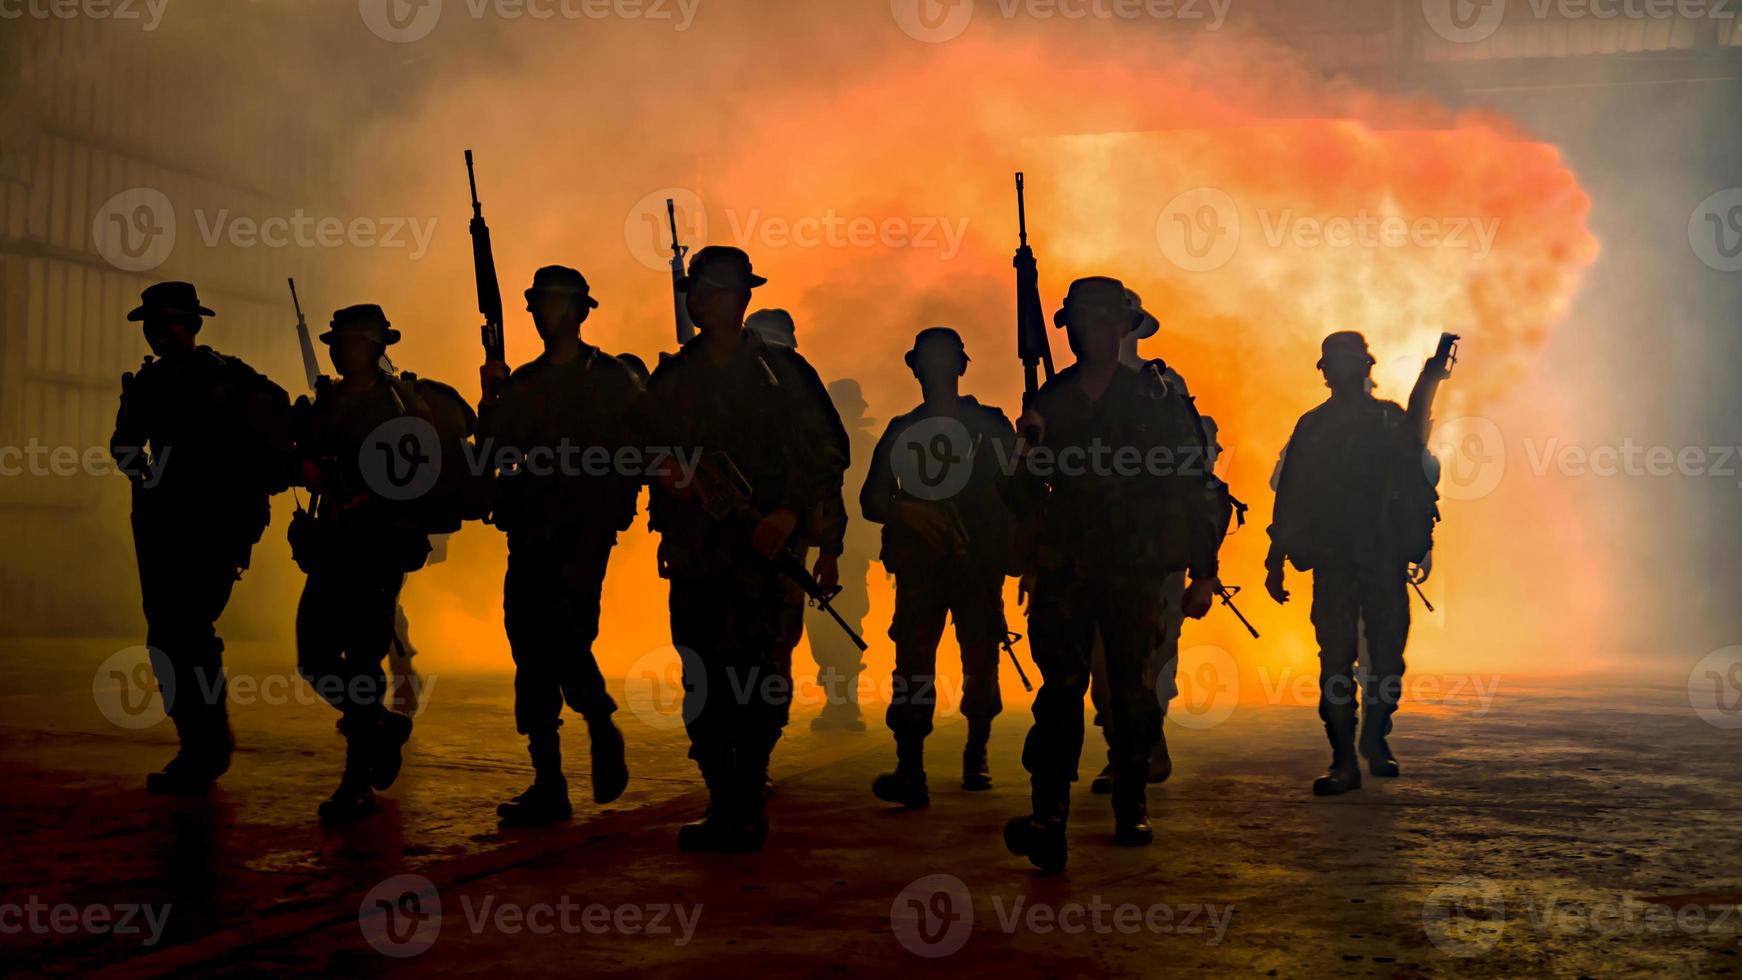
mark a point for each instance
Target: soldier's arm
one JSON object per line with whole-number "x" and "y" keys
{"x": 269, "y": 413}
{"x": 128, "y": 440}
{"x": 819, "y": 445}
{"x": 1203, "y": 496}
{"x": 877, "y": 497}
{"x": 1284, "y": 516}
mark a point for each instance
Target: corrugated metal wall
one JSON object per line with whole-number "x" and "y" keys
{"x": 98, "y": 108}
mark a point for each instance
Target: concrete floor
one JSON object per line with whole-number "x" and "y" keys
{"x": 1586, "y": 832}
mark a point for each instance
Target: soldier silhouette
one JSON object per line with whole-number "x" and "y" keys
{"x": 374, "y": 449}
{"x": 947, "y": 542}
{"x": 205, "y": 441}
{"x": 1163, "y": 667}
{"x": 1107, "y": 538}
{"x": 1356, "y": 507}
{"x": 839, "y": 661}
{"x": 759, "y": 417}
{"x": 562, "y": 519}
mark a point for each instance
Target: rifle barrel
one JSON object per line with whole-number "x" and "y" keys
{"x": 472, "y": 181}
{"x": 1021, "y": 211}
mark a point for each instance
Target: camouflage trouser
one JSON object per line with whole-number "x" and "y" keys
{"x": 344, "y": 625}
{"x": 1065, "y": 613}
{"x": 550, "y": 605}
{"x": 839, "y": 661}
{"x": 731, "y": 630}
{"x": 1350, "y": 601}
{"x": 975, "y": 601}
{"x": 1162, "y": 671}
{"x": 185, "y": 581}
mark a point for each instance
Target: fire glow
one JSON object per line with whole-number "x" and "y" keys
{"x": 1471, "y": 227}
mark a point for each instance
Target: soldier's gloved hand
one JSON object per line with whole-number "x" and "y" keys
{"x": 1273, "y": 585}
{"x": 772, "y": 534}
{"x": 1024, "y": 589}
{"x": 1032, "y": 429}
{"x": 1198, "y": 596}
{"x": 827, "y": 571}
{"x": 491, "y": 377}
{"x": 1419, "y": 571}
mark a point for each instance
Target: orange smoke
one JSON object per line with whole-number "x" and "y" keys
{"x": 1126, "y": 140}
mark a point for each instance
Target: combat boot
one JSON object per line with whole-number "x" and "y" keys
{"x": 1102, "y": 784}
{"x": 976, "y": 771}
{"x": 1160, "y": 762}
{"x": 353, "y": 799}
{"x": 1131, "y": 806}
{"x": 204, "y": 755}
{"x": 393, "y": 730}
{"x": 711, "y": 832}
{"x": 906, "y": 785}
{"x": 748, "y": 830}
{"x": 1040, "y": 836}
{"x": 838, "y": 718}
{"x": 1375, "y": 725}
{"x": 546, "y": 801}
{"x": 1345, "y": 771}
{"x": 610, "y": 768}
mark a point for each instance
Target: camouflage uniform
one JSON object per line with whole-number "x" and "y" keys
{"x": 562, "y": 523}
{"x": 965, "y": 583}
{"x": 765, "y": 408}
{"x": 1325, "y": 521}
{"x": 371, "y": 527}
{"x": 206, "y": 440}
{"x": 1106, "y": 543}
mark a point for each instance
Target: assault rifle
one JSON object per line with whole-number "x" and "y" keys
{"x": 725, "y": 494}
{"x": 686, "y": 329}
{"x": 484, "y": 271}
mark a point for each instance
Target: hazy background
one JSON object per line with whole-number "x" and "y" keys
{"x": 1592, "y": 318}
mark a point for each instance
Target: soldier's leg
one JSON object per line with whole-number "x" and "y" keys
{"x": 531, "y": 616}
{"x": 921, "y": 604}
{"x": 1130, "y": 621}
{"x": 583, "y": 686}
{"x": 977, "y": 606}
{"x": 699, "y": 609}
{"x": 185, "y": 588}
{"x": 839, "y": 661}
{"x": 1336, "y": 613}
{"x": 1385, "y": 617}
{"x": 1163, "y": 674}
{"x": 1061, "y": 627}
{"x": 1102, "y": 783}
{"x": 771, "y": 608}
